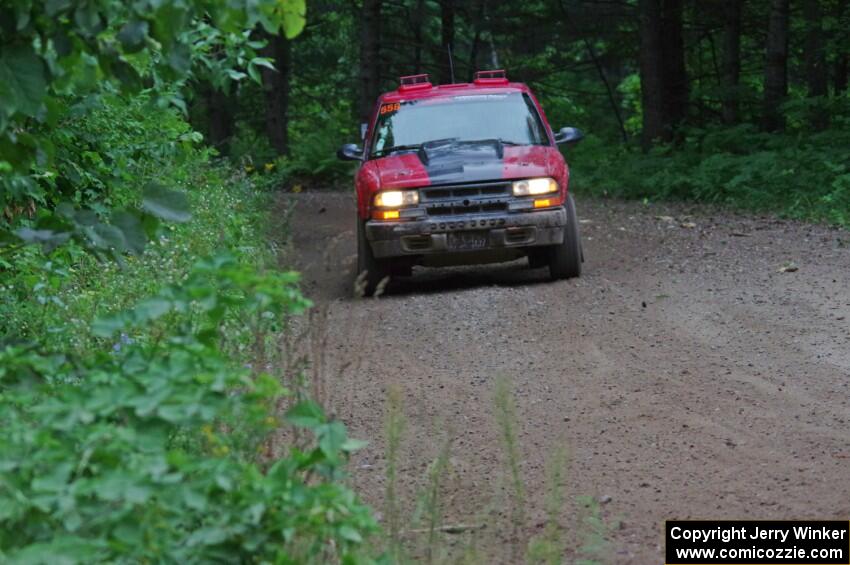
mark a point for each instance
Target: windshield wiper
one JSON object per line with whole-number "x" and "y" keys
{"x": 497, "y": 142}
{"x": 396, "y": 149}
{"x": 492, "y": 140}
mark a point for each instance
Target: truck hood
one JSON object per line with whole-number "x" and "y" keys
{"x": 465, "y": 164}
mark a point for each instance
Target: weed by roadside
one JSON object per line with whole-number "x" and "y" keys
{"x": 505, "y": 412}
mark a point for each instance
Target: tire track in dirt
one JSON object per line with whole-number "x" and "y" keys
{"x": 685, "y": 375}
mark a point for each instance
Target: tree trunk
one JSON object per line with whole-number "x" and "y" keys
{"x": 478, "y": 11}
{"x": 370, "y": 43}
{"x": 220, "y": 108}
{"x": 731, "y": 60}
{"x": 418, "y": 22}
{"x": 276, "y": 90}
{"x": 447, "y": 36}
{"x": 674, "y": 74}
{"x": 651, "y": 76}
{"x": 841, "y": 59}
{"x": 841, "y": 74}
{"x": 816, "y": 76}
{"x": 776, "y": 67}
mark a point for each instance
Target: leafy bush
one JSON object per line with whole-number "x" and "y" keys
{"x": 53, "y": 298}
{"x": 60, "y": 58}
{"x": 144, "y": 434}
{"x": 145, "y": 451}
{"x": 315, "y": 138}
{"x": 799, "y": 174}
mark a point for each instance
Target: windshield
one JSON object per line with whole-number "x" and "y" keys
{"x": 510, "y": 118}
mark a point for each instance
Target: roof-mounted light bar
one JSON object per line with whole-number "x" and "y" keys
{"x": 414, "y": 82}
{"x": 491, "y": 77}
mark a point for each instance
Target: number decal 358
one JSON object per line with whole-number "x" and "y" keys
{"x": 387, "y": 108}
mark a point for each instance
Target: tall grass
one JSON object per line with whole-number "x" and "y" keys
{"x": 393, "y": 430}
{"x": 505, "y": 412}
{"x": 549, "y": 547}
{"x": 430, "y": 508}
{"x": 594, "y": 544}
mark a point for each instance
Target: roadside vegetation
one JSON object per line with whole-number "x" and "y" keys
{"x": 797, "y": 174}
{"x": 145, "y": 416}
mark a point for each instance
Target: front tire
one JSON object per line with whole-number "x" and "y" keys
{"x": 565, "y": 259}
{"x": 370, "y": 270}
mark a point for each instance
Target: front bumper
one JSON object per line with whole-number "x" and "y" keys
{"x": 431, "y": 236}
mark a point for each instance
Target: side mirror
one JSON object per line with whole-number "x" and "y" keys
{"x": 569, "y": 136}
{"x": 350, "y": 152}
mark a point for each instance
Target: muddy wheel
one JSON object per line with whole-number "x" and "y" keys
{"x": 565, "y": 259}
{"x": 375, "y": 270}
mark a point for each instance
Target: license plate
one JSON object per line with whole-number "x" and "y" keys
{"x": 467, "y": 240}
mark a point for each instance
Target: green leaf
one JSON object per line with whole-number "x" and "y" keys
{"x": 131, "y": 227}
{"x": 54, "y": 480}
{"x": 207, "y": 536}
{"x": 180, "y": 59}
{"x": 152, "y": 308}
{"x": 165, "y": 204}
{"x": 88, "y": 19}
{"x": 53, "y": 7}
{"x": 132, "y": 35}
{"x": 107, "y": 325}
{"x": 105, "y": 236}
{"x": 62, "y": 550}
{"x": 255, "y": 74}
{"x": 332, "y": 436}
{"x": 23, "y": 81}
{"x": 129, "y": 77}
{"x": 294, "y": 12}
{"x": 350, "y": 534}
{"x": 352, "y": 444}
{"x": 263, "y": 62}
{"x": 48, "y": 239}
{"x": 306, "y": 414}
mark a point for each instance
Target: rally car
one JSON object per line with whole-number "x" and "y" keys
{"x": 459, "y": 174}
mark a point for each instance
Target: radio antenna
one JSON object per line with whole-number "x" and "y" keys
{"x": 451, "y": 63}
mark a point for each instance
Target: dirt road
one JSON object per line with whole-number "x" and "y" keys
{"x": 684, "y": 374}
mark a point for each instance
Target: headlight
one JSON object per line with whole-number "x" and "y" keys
{"x": 530, "y": 187}
{"x": 396, "y": 198}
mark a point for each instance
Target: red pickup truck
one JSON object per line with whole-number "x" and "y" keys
{"x": 460, "y": 174}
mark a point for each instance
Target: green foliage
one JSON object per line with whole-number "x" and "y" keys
{"x": 315, "y": 143}
{"x": 595, "y": 533}
{"x": 138, "y": 152}
{"x": 146, "y": 451}
{"x": 320, "y": 129}
{"x": 394, "y": 430}
{"x": 135, "y": 427}
{"x": 548, "y": 547}
{"x": 504, "y": 404}
{"x": 799, "y": 174}
{"x": 57, "y": 56}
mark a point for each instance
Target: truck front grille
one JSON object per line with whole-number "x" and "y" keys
{"x": 479, "y": 198}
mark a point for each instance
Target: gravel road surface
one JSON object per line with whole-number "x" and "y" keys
{"x": 700, "y": 368}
